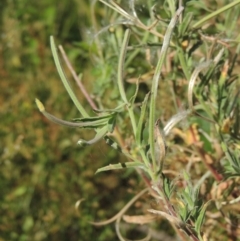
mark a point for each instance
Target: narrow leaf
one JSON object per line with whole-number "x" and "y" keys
{"x": 119, "y": 108}
{"x": 111, "y": 124}
{"x": 156, "y": 78}
{"x": 183, "y": 27}
{"x": 120, "y": 79}
{"x": 94, "y": 118}
{"x": 121, "y": 64}
{"x": 115, "y": 146}
{"x": 133, "y": 98}
{"x": 100, "y": 134}
{"x": 215, "y": 13}
{"x": 64, "y": 79}
{"x": 199, "y": 221}
{"x": 141, "y": 120}
{"x": 121, "y": 166}
{"x": 84, "y": 124}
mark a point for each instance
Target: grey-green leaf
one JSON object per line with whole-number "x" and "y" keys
{"x": 100, "y": 134}
{"x": 141, "y": 120}
{"x": 64, "y": 79}
{"x": 121, "y": 166}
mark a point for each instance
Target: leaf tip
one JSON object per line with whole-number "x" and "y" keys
{"x": 40, "y": 105}
{"x": 82, "y": 143}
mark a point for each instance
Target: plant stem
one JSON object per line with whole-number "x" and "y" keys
{"x": 163, "y": 53}
{"x": 120, "y": 79}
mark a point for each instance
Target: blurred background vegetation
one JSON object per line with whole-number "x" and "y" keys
{"x": 43, "y": 172}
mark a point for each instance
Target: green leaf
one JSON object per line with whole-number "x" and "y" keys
{"x": 133, "y": 98}
{"x": 187, "y": 199}
{"x": 119, "y": 108}
{"x": 111, "y": 124}
{"x": 183, "y": 27}
{"x": 154, "y": 91}
{"x": 100, "y": 134}
{"x": 121, "y": 64}
{"x": 64, "y": 79}
{"x": 89, "y": 122}
{"x": 215, "y": 13}
{"x": 183, "y": 212}
{"x": 198, "y": 5}
{"x": 183, "y": 62}
{"x": 141, "y": 120}
{"x": 199, "y": 221}
{"x": 121, "y": 166}
{"x": 115, "y": 146}
{"x": 168, "y": 187}
{"x": 85, "y": 122}
{"x": 95, "y": 118}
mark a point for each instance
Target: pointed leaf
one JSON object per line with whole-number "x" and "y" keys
{"x": 94, "y": 118}
{"x": 199, "y": 221}
{"x": 121, "y": 166}
{"x": 141, "y": 120}
{"x": 168, "y": 186}
{"x": 187, "y": 200}
{"x": 64, "y": 79}
{"x": 100, "y": 134}
{"x": 156, "y": 78}
{"x": 183, "y": 27}
{"x": 111, "y": 124}
{"x": 84, "y": 124}
{"x": 117, "y": 109}
{"x": 215, "y": 13}
{"x": 133, "y": 98}
{"x": 115, "y": 146}
{"x": 198, "y": 5}
{"x": 121, "y": 64}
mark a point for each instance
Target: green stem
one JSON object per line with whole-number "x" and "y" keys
{"x": 120, "y": 79}
{"x": 121, "y": 64}
{"x": 163, "y": 53}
